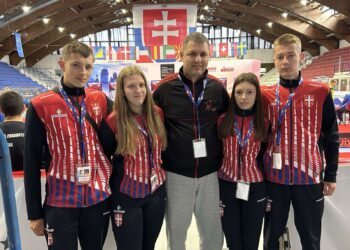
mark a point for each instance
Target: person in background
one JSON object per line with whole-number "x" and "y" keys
{"x": 302, "y": 117}
{"x": 192, "y": 101}
{"x": 332, "y": 85}
{"x": 66, "y": 121}
{"x": 12, "y": 106}
{"x": 133, "y": 137}
{"x": 241, "y": 179}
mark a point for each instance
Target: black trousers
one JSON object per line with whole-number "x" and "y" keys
{"x": 308, "y": 205}
{"x": 242, "y": 220}
{"x": 64, "y": 226}
{"x": 137, "y": 222}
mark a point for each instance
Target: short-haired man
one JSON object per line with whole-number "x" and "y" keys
{"x": 192, "y": 100}
{"x": 65, "y": 121}
{"x": 302, "y": 117}
{"x": 12, "y": 106}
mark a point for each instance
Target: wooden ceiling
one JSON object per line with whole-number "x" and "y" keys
{"x": 83, "y": 17}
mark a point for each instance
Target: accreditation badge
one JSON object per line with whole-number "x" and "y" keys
{"x": 199, "y": 148}
{"x": 83, "y": 174}
{"x": 277, "y": 160}
{"x": 154, "y": 181}
{"x": 242, "y": 190}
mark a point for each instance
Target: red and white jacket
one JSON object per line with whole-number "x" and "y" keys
{"x": 62, "y": 137}
{"x": 136, "y": 168}
{"x": 247, "y": 169}
{"x": 300, "y": 133}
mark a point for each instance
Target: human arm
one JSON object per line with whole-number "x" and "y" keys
{"x": 34, "y": 141}
{"x": 330, "y": 138}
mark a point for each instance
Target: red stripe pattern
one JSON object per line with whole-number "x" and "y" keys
{"x": 62, "y": 133}
{"x": 137, "y": 168}
{"x": 248, "y": 166}
{"x": 300, "y": 131}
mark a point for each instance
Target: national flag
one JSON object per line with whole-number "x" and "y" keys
{"x": 100, "y": 53}
{"x": 178, "y": 51}
{"x": 223, "y": 50}
{"x": 170, "y": 52}
{"x": 142, "y": 55}
{"x": 156, "y": 25}
{"x": 112, "y": 53}
{"x": 214, "y": 50}
{"x": 242, "y": 49}
{"x": 232, "y": 52}
{"x": 123, "y": 53}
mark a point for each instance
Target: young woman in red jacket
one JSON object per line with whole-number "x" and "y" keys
{"x": 242, "y": 187}
{"x": 133, "y": 137}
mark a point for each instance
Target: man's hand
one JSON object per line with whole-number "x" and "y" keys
{"x": 37, "y": 226}
{"x": 328, "y": 188}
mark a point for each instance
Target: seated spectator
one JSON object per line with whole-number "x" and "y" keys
{"x": 12, "y": 106}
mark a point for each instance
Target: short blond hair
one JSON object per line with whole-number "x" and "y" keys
{"x": 287, "y": 39}
{"x": 77, "y": 47}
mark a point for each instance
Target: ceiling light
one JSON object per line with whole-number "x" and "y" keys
{"x": 311, "y": 41}
{"x": 60, "y": 29}
{"x": 303, "y": 2}
{"x": 206, "y": 7}
{"x": 285, "y": 14}
{"x": 46, "y": 20}
{"x": 269, "y": 24}
{"x": 2, "y": 16}
{"x": 201, "y": 17}
{"x": 128, "y": 19}
{"x": 118, "y": 1}
{"x": 72, "y": 35}
{"x": 258, "y": 31}
{"x": 124, "y": 11}
{"x": 25, "y": 8}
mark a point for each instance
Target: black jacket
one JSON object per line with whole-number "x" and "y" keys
{"x": 180, "y": 123}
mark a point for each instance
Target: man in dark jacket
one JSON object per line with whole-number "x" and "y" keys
{"x": 192, "y": 101}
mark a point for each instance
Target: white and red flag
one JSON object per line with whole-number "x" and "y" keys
{"x": 156, "y": 25}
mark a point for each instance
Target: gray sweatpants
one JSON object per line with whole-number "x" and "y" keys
{"x": 200, "y": 196}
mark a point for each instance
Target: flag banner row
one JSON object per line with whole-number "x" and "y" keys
{"x": 164, "y": 53}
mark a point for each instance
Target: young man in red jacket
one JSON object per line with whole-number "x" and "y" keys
{"x": 65, "y": 122}
{"x": 303, "y": 127}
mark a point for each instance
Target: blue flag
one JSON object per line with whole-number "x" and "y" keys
{"x": 19, "y": 44}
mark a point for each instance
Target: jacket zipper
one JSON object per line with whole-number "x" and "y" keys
{"x": 291, "y": 138}
{"x": 195, "y": 128}
{"x": 84, "y": 186}
{"x": 239, "y": 152}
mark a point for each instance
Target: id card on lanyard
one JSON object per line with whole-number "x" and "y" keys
{"x": 277, "y": 156}
{"x": 242, "y": 190}
{"x": 153, "y": 176}
{"x": 83, "y": 169}
{"x": 199, "y": 144}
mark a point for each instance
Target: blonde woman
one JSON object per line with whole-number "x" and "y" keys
{"x": 133, "y": 137}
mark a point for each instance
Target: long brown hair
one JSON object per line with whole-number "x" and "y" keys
{"x": 227, "y": 126}
{"x": 127, "y": 131}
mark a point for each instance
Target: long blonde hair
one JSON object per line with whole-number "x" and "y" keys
{"x": 127, "y": 131}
